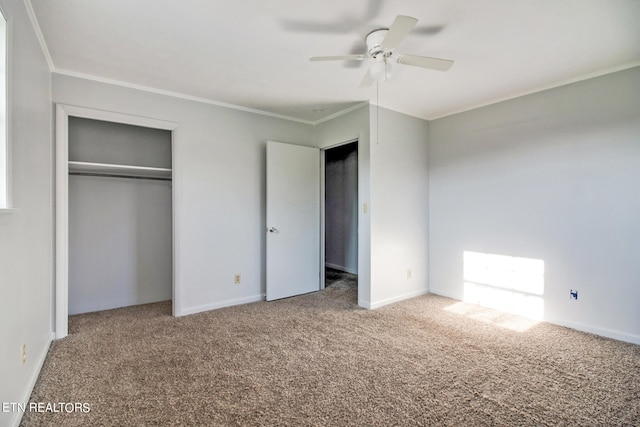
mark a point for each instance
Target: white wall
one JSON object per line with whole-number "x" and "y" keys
{"x": 341, "y": 211}
{"x": 345, "y": 128}
{"x": 399, "y": 206}
{"x": 553, "y": 176}
{"x": 26, "y": 234}
{"x": 120, "y": 246}
{"x": 100, "y": 141}
{"x": 219, "y": 180}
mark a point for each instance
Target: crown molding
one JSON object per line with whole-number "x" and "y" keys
{"x": 36, "y": 27}
{"x": 538, "y": 89}
{"x": 176, "y": 95}
{"x": 340, "y": 113}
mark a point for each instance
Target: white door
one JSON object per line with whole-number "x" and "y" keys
{"x": 293, "y": 220}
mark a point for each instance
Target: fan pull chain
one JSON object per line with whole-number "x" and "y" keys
{"x": 377, "y": 113}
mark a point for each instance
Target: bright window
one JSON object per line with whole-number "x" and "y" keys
{"x": 4, "y": 161}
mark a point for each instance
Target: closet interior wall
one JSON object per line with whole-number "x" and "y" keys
{"x": 120, "y": 218}
{"x": 341, "y": 208}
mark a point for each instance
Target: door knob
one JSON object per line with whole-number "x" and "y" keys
{"x": 272, "y": 230}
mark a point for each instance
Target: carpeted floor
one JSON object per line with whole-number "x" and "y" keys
{"x": 340, "y": 279}
{"x": 319, "y": 360}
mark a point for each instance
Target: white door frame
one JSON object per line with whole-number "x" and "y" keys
{"x": 323, "y": 228}
{"x": 63, "y": 112}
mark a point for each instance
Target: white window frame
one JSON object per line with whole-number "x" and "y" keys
{"x": 5, "y": 153}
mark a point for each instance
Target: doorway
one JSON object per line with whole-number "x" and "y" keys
{"x": 120, "y": 208}
{"x": 341, "y": 216}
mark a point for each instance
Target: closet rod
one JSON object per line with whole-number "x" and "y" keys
{"x": 108, "y": 175}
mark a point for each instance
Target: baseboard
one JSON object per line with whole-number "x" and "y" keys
{"x": 121, "y": 304}
{"x": 221, "y": 304}
{"x": 445, "y": 294}
{"x": 341, "y": 268}
{"x": 603, "y": 332}
{"x": 364, "y": 304}
{"x": 17, "y": 416}
{"x": 377, "y": 304}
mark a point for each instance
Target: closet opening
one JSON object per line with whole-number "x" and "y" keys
{"x": 341, "y": 217}
{"x": 115, "y": 216}
{"x": 120, "y": 215}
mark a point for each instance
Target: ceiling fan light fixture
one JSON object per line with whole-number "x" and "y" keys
{"x": 381, "y": 70}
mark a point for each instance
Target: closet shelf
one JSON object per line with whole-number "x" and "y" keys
{"x": 124, "y": 170}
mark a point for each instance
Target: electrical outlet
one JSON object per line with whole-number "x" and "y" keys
{"x": 23, "y": 354}
{"x": 409, "y": 273}
{"x": 236, "y": 279}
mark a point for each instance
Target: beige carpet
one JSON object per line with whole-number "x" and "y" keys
{"x": 319, "y": 360}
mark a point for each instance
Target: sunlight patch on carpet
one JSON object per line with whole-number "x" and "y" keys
{"x": 492, "y": 317}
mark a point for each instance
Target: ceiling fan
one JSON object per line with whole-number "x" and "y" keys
{"x": 380, "y": 47}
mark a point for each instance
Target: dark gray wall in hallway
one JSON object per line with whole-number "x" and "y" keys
{"x": 341, "y": 213}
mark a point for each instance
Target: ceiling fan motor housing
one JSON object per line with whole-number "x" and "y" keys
{"x": 374, "y": 44}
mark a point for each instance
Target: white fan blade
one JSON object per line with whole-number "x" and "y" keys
{"x": 400, "y": 28}
{"x": 337, "y": 58}
{"x": 425, "y": 62}
{"x": 367, "y": 80}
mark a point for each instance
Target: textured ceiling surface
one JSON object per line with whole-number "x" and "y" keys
{"x": 255, "y": 53}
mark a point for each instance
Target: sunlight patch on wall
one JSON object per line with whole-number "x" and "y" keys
{"x": 507, "y": 283}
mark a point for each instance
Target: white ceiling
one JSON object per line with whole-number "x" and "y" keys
{"x": 254, "y": 53}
